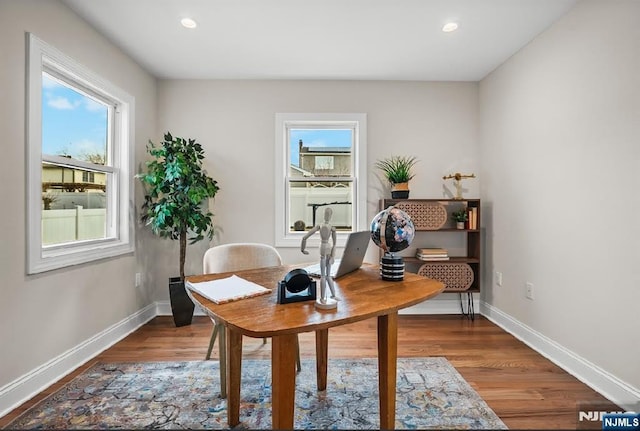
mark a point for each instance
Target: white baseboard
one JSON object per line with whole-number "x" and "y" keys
{"x": 35, "y": 381}
{"x": 441, "y": 305}
{"x": 609, "y": 386}
{"x": 163, "y": 308}
{"x": 438, "y": 306}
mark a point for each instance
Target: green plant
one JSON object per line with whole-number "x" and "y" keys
{"x": 48, "y": 199}
{"x": 175, "y": 187}
{"x": 397, "y": 169}
{"x": 460, "y": 215}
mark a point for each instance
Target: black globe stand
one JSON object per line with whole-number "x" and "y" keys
{"x": 392, "y": 267}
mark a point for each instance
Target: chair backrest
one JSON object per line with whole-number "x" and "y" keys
{"x": 239, "y": 256}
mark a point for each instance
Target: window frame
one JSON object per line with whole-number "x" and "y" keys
{"x": 119, "y": 240}
{"x": 284, "y": 121}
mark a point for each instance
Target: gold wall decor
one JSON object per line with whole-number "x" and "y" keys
{"x": 457, "y": 181}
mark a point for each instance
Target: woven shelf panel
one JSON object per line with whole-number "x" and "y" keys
{"x": 425, "y": 215}
{"x": 456, "y": 276}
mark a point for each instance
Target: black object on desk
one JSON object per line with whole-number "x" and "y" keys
{"x": 297, "y": 286}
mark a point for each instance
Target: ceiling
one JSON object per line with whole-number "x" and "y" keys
{"x": 321, "y": 39}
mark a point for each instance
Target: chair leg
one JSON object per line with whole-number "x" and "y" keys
{"x": 264, "y": 341}
{"x": 222, "y": 349}
{"x": 214, "y": 334}
{"x": 298, "y": 364}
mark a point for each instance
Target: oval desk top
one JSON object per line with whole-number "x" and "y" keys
{"x": 362, "y": 294}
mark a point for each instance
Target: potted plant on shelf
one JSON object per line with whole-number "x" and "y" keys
{"x": 176, "y": 185}
{"x": 398, "y": 171}
{"x": 460, "y": 217}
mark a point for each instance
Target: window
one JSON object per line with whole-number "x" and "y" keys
{"x": 87, "y": 177}
{"x": 79, "y": 184}
{"x": 324, "y": 162}
{"x": 320, "y": 163}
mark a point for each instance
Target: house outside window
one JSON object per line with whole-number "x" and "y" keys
{"x": 79, "y": 163}
{"x": 321, "y": 162}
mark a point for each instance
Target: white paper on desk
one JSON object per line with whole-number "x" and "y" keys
{"x": 227, "y": 289}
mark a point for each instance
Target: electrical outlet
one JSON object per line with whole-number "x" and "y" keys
{"x": 138, "y": 279}
{"x": 529, "y": 290}
{"x": 498, "y": 278}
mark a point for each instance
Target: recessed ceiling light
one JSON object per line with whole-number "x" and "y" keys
{"x": 188, "y": 23}
{"x": 449, "y": 27}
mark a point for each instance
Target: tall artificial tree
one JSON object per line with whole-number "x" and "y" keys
{"x": 176, "y": 186}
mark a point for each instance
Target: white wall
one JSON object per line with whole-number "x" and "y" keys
{"x": 235, "y": 122}
{"x": 560, "y": 155}
{"x": 558, "y": 129}
{"x": 43, "y": 316}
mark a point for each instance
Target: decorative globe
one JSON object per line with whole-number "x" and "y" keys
{"x": 392, "y": 230}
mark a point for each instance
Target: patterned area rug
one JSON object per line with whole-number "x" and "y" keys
{"x": 185, "y": 395}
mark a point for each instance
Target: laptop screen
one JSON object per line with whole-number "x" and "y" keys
{"x": 352, "y": 258}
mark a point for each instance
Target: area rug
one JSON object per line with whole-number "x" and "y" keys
{"x": 186, "y": 395}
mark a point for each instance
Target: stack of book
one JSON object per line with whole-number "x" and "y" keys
{"x": 430, "y": 254}
{"x": 472, "y": 218}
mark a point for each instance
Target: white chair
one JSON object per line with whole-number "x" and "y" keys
{"x": 229, "y": 258}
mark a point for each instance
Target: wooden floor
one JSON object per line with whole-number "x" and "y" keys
{"x": 524, "y": 389}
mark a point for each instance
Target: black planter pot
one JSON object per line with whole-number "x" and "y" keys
{"x": 400, "y": 190}
{"x": 181, "y": 305}
{"x": 400, "y": 194}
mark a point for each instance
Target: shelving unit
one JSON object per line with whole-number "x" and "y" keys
{"x": 432, "y": 220}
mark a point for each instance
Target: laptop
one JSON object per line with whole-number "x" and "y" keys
{"x": 352, "y": 257}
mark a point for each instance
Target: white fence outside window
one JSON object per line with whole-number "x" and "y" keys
{"x": 60, "y": 226}
{"x": 301, "y": 197}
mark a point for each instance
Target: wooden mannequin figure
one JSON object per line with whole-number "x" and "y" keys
{"x": 327, "y": 254}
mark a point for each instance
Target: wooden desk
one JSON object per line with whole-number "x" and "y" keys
{"x": 362, "y": 295}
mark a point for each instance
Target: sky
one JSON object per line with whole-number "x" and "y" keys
{"x": 75, "y": 124}
{"x": 317, "y": 138}
{"x": 72, "y": 123}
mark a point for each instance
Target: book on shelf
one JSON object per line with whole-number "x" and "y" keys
{"x": 431, "y": 251}
{"x": 432, "y": 254}
{"x": 474, "y": 213}
{"x": 429, "y": 258}
{"x": 472, "y": 218}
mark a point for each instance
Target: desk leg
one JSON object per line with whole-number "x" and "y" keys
{"x": 387, "y": 357}
{"x": 234, "y": 371}
{"x": 222, "y": 350}
{"x": 283, "y": 385}
{"x": 322, "y": 353}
